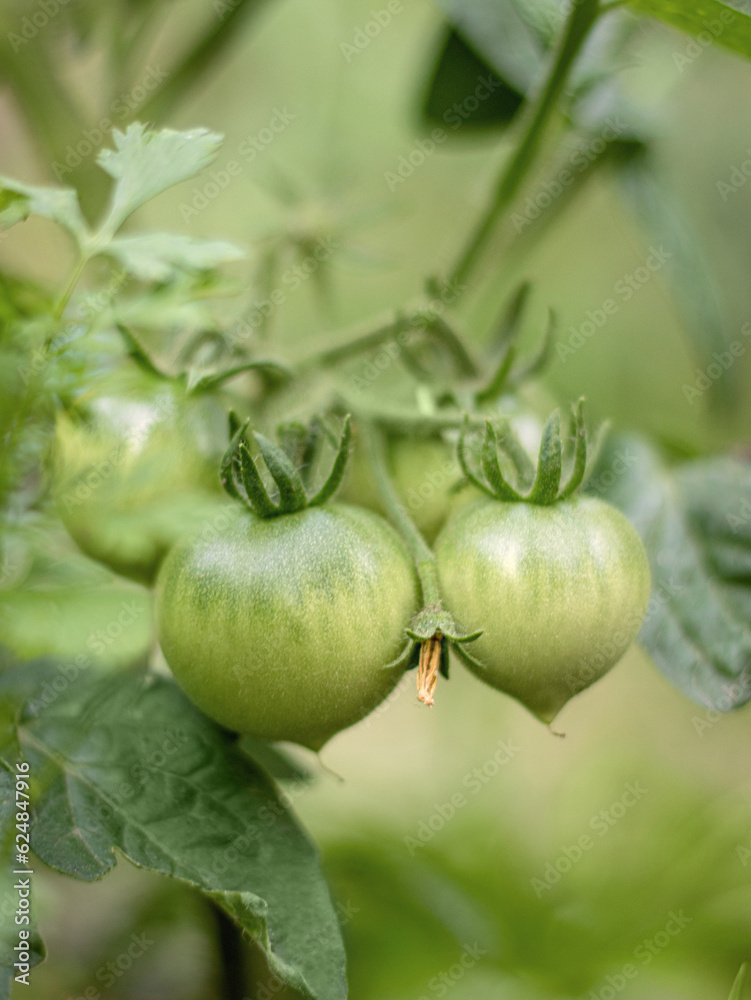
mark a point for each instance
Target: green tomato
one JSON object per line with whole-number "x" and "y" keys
{"x": 288, "y": 628}
{"x": 560, "y": 593}
{"x": 135, "y": 467}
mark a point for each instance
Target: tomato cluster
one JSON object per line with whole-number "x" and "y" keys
{"x": 290, "y": 619}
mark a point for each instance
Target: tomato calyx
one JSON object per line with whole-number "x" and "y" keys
{"x": 535, "y": 486}
{"x": 434, "y": 631}
{"x": 243, "y": 481}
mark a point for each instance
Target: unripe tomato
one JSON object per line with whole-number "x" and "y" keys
{"x": 284, "y": 628}
{"x": 560, "y": 592}
{"x": 135, "y": 467}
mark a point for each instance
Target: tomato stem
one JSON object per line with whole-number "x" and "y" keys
{"x": 64, "y": 299}
{"x": 581, "y": 19}
{"x": 423, "y": 316}
{"x": 418, "y": 547}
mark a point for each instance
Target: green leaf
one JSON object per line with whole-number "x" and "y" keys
{"x": 455, "y": 76}
{"x": 65, "y": 605}
{"x": 695, "y": 522}
{"x": 501, "y": 37}
{"x": 162, "y": 257}
{"x": 18, "y": 201}
{"x": 737, "y": 991}
{"x": 728, "y": 27}
{"x": 130, "y": 765}
{"x": 687, "y": 271}
{"x": 145, "y": 163}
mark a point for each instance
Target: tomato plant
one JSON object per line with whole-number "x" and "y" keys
{"x": 397, "y": 499}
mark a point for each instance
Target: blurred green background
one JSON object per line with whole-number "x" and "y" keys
{"x": 459, "y": 913}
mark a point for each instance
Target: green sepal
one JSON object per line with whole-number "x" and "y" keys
{"x": 289, "y": 465}
{"x": 434, "y": 620}
{"x": 542, "y": 487}
{"x": 291, "y": 490}
{"x": 443, "y": 668}
{"x": 408, "y": 657}
{"x": 579, "y": 466}
{"x": 498, "y": 380}
{"x": 414, "y": 659}
{"x": 468, "y": 658}
{"x": 336, "y": 475}
{"x": 463, "y": 457}
{"x": 228, "y": 468}
{"x": 525, "y": 467}
{"x": 492, "y": 469}
{"x": 255, "y": 493}
{"x": 549, "y": 463}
